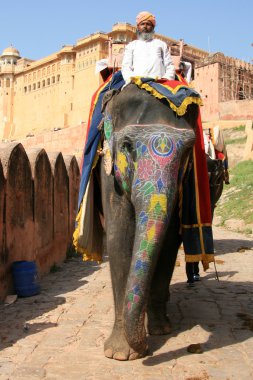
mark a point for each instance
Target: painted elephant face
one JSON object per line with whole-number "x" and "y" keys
{"x": 147, "y": 158}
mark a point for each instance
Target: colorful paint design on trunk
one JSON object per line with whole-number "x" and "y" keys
{"x": 146, "y": 166}
{"x": 153, "y": 222}
{"x": 151, "y": 183}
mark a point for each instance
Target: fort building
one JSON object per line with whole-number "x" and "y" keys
{"x": 54, "y": 93}
{"x": 226, "y": 87}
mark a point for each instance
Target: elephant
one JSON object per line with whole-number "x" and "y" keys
{"x": 149, "y": 145}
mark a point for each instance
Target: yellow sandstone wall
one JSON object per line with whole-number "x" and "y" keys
{"x": 53, "y": 93}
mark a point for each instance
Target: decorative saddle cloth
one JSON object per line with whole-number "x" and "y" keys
{"x": 194, "y": 194}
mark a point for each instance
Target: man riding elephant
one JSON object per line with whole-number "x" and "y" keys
{"x": 154, "y": 187}
{"x": 147, "y": 56}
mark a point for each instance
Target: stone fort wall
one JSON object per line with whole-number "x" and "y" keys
{"x": 38, "y": 205}
{"x": 55, "y": 92}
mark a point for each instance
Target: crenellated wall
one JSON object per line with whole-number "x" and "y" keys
{"x": 38, "y": 202}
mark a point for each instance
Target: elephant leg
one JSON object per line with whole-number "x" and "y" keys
{"x": 119, "y": 244}
{"x": 158, "y": 321}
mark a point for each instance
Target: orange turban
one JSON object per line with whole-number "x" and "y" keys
{"x": 145, "y": 16}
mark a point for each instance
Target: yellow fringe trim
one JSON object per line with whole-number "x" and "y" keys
{"x": 76, "y": 233}
{"x": 137, "y": 80}
{"x": 96, "y": 158}
{"x": 196, "y": 225}
{"x": 181, "y": 110}
{"x": 87, "y": 256}
{"x": 207, "y": 258}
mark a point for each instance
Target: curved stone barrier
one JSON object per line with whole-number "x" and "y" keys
{"x": 2, "y": 190}
{"x": 18, "y": 225}
{"x": 19, "y": 205}
{"x": 38, "y": 202}
{"x": 60, "y": 205}
{"x": 74, "y": 180}
{"x": 43, "y": 208}
{"x": 3, "y": 258}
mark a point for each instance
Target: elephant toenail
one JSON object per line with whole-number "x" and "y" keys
{"x": 134, "y": 356}
{"x": 108, "y": 353}
{"x": 120, "y": 356}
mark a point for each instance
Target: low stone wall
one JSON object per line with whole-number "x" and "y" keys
{"x": 38, "y": 204}
{"x": 236, "y": 109}
{"x": 232, "y": 110}
{"x": 67, "y": 140}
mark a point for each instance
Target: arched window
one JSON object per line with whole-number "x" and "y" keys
{"x": 8, "y": 82}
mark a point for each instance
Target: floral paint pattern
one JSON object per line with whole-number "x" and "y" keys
{"x": 148, "y": 172}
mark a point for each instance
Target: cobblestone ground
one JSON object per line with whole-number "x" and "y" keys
{"x": 59, "y": 334}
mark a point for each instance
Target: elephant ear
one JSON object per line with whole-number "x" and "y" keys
{"x": 107, "y": 97}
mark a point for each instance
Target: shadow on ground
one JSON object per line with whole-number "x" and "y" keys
{"x": 223, "y": 246}
{"x": 223, "y": 309}
{"x": 14, "y": 319}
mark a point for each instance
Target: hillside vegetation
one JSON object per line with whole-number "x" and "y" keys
{"x": 237, "y": 198}
{"x": 235, "y": 207}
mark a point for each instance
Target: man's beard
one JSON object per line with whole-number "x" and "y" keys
{"x": 143, "y": 36}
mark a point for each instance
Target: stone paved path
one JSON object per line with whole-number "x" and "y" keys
{"x": 59, "y": 334}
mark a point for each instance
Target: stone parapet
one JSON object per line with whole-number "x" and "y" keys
{"x": 69, "y": 141}
{"x": 38, "y": 204}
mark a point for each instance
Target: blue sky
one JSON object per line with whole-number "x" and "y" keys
{"x": 40, "y": 28}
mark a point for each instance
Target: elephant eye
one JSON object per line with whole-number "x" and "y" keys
{"x": 127, "y": 146}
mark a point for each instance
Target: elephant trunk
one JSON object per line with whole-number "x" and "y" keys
{"x": 147, "y": 168}
{"x": 150, "y": 229}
